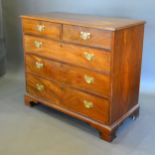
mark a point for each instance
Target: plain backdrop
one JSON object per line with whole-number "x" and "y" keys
{"x": 2, "y": 49}
{"x": 139, "y": 9}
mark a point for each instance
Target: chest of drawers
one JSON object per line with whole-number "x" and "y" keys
{"x": 85, "y": 66}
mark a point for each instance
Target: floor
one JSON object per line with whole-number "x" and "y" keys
{"x": 43, "y": 131}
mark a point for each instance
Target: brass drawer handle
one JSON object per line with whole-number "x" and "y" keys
{"x": 85, "y": 35}
{"x": 38, "y": 44}
{"x": 40, "y": 87}
{"x": 40, "y": 28}
{"x": 88, "y": 79}
{"x": 88, "y": 56}
{"x": 39, "y": 65}
{"x": 88, "y": 104}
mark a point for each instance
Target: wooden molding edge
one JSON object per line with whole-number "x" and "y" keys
{"x": 98, "y": 125}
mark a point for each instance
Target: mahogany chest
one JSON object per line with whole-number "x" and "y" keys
{"x": 85, "y": 66}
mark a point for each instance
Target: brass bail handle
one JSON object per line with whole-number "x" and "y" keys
{"x": 88, "y": 104}
{"x": 39, "y": 87}
{"x": 88, "y": 56}
{"x": 89, "y": 79}
{"x": 38, "y": 44}
{"x": 85, "y": 35}
{"x": 39, "y": 65}
{"x": 40, "y": 27}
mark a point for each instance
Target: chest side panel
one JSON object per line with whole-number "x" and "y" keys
{"x": 126, "y": 69}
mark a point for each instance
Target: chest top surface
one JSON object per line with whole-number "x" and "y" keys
{"x": 101, "y": 22}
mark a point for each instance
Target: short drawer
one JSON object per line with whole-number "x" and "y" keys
{"x": 87, "y": 36}
{"x": 42, "y": 28}
{"x": 76, "y": 77}
{"x": 87, "y": 105}
{"x": 94, "y": 59}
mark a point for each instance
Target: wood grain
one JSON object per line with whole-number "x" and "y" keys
{"x": 111, "y": 55}
{"x": 73, "y": 76}
{"x": 98, "y": 38}
{"x": 126, "y": 69}
{"x": 55, "y": 93}
{"x": 107, "y": 132}
{"x": 69, "y": 53}
{"x": 52, "y": 30}
{"x": 93, "y": 21}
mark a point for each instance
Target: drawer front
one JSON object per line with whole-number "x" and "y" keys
{"x": 86, "y": 57}
{"x": 80, "y": 78}
{"x": 87, "y": 36}
{"x": 43, "y": 89}
{"x": 90, "y": 106}
{"x": 42, "y": 28}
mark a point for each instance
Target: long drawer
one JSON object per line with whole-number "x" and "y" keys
{"x": 95, "y": 59}
{"x": 75, "y": 76}
{"x": 88, "y": 105}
